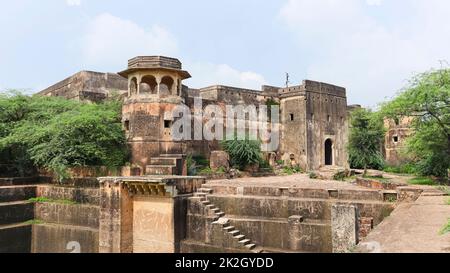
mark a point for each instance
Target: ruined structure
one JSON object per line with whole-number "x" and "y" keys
{"x": 88, "y": 85}
{"x": 177, "y": 214}
{"x": 397, "y": 131}
{"x": 313, "y": 116}
{"x": 154, "y": 207}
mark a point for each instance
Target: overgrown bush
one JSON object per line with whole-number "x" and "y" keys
{"x": 366, "y": 139}
{"x": 243, "y": 153}
{"x": 56, "y": 134}
{"x": 426, "y": 100}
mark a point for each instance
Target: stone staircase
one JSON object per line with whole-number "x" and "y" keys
{"x": 167, "y": 164}
{"x": 223, "y": 233}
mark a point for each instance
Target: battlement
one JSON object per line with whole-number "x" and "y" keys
{"x": 325, "y": 88}
{"x": 315, "y": 87}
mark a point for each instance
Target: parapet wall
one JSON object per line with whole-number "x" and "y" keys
{"x": 88, "y": 85}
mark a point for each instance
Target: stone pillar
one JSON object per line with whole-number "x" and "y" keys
{"x": 295, "y": 234}
{"x": 139, "y": 81}
{"x": 344, "y": 227}
{"x": 158, "y": 84}
{"x": 180, "y": 87}
{"x": 116, "y": 218}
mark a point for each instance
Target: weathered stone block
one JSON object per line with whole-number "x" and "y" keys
{"x": 344, "y": 227}
{"x": 219, "y": 159}
{"x": 77, "y": 215}
{"x": 16, "y": 212}
{"x": 15, "y": 239}
{"x": 17, "y": 193}
{"x": 51, "y": 238}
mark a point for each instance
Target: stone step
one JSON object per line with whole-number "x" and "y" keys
{"x": 220, "y": 214}
{"x": 160, "y": 170}
{"x": 17, "y": 193}
{"x": 44, "y": 232}
{"x": 229, "y": 228}
{"x": 250, "y": 246}
{"x": 15, "y": 238}
{"x": 234, "y": 233}
{"x": 224, "y": 222}
{"x": 16, "y": 212}
{"x": 258, "y": 250}
{"x": 245, "y": 242}
{"x": 19, "y": 181}
{"x": 202, "y": 194}
{"x": 206, "y": 190}
{"x": 163, "y": 161}
{"x": 239, "y": 237}
{"x": 173, "y": 155}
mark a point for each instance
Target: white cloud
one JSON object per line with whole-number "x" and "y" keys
{"x": 206, "y": 74}
{"x": 370, "y": 57}
{"x": 110, "y": 41}
{"x": 72, "y": 3}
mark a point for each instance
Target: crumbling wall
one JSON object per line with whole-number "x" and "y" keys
{"x": 88, "y": 86}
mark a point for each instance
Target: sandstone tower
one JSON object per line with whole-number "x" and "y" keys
{"x": 154, "y": 89}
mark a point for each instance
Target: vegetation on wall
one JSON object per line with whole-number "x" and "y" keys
{"x": 365, "y": 140}
{"x": 427, "y": 100}
{"x": 56, "y": 134}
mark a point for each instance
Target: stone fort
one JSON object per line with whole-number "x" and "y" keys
{"x": 155, "y": 207}
{"x": 313, "y": 120}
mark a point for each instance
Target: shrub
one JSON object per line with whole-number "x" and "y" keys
{"x": 365, "y": 140}
{"x": 280, "y": 162}
{"x": 243, "y": 153}
{"x": 206, "y": 171}
{"x": 200, "y": 160}
{"x": 406, "y": 168}
{"x": 264, "y": 164}
{"x": 191, "y": 165}
{"x": 56, "y": 134}
{"x": 422, "y": 181}
{"x": 291, "y": 170}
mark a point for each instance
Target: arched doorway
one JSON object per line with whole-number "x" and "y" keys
{"x": 328, "y": 152}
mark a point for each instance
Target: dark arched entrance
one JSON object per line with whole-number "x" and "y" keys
{"x": 328, "y": 152}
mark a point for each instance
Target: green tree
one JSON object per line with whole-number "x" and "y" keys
{"x": 366, "y": 139}
{"x": 56, "y": 134}
{"x": 427, "y": 99}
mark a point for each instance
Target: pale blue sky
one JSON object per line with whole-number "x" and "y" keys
{"x": 371, "y": 47}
